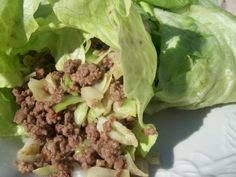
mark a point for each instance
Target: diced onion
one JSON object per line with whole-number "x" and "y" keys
{"x": 91, "y": 95}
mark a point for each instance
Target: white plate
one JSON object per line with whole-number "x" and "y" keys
{"x": 197, "y": 143}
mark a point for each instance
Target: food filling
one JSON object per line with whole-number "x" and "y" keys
{"x": 78, "y": 117}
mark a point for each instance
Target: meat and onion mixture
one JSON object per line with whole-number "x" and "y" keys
{"x": 75, "y": 118}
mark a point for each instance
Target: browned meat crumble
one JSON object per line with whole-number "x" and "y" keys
{"x": 58, "y": 133}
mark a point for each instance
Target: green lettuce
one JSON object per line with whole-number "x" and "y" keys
{"x": 119, "y": 25}
{"x": 197, "y": 61}
{"x": 8, "y": 107}
{"x": 65, "y": 28}
{"x": 17, "y": 22}
{"x": 170, "y": 4}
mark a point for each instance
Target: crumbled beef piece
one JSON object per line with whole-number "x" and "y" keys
{"x": 87, "y": 74}
{"x": 71, "y": 66}
{"x": 58, "y": 95}
{"x": 100, "y": 163}
{"x": 92, "y": 132}
{"x": 107, "y": 126}
{"x": 98, "y": 44}
{"x": 106, "y": 63}
{"x": 57, "y": 77}
{"x": 149, "y": 131}
{"x": 61, "y": 174}
{"x": 21, "y": 94}
{"x": 59, "y": 154}
{"x": 40, "y": 73}
{"x": 116, "y": 91}
{"x": 25, "y": 167}
{"x": 75, "y": 87}
{"x": 20, "y": 116}
{"x": 108, "y": 149}
{"x": 119, "y": 162}
{"x": 87, "y": 157}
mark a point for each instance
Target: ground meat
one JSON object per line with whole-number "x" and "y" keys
{"x": 87, "y": 74}
{"x": 71, "y": 66}
{"x": 92, "y": 133}
{"x": 107, "y": 126}
{"x": 26, "y": 167}
{"x": 58, "y": 132}
{"x": 119, "y": 162}
{"x": 100, "y": 163}
{"x": 106, "y": 63}
{"x": 19, "y": 116}
{"x": 87, "y": 157}
{"x": 149, "y": 131}
{"x": 58, "y": 95}
{"x": 61, "y": 174}
{"x": 40, "y": 73}
{"x": 116, "y": 91}
{"x": 108, "y": 149}
{"x": 21, "y": 94}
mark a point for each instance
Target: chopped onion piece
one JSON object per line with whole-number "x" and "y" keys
{"x": 103, "y": 85}
{"x": 107, "y": 102}
{"x": 30, "y": 152}
{"x": 133, "y": 168}
{"x": 81, "y": 113}
{"x": 51, "y": 84}
{"x": 78, "y": 172}
{"x": 95, "y": 112}
{"x": 119, "y": 132}
{"x": 45, "y": 171}
{"x": 128, "y": 108}
{"x": 91, "y": 95}
{"x": 37, "y": 88}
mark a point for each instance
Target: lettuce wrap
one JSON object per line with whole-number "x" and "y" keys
{"x": 196, "y": 48}
{"x": 40, "y": 40}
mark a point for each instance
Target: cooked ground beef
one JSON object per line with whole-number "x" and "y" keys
{"x": 102, "y": 152}
{"x": 26, "y": 167}
{"x": 61, "y": 136}
{"x": 106, "y": 63}
{"x": 71, "y": 66}
{"x": 61, "y": 174}
{"x": 108, "y": 149}
{"x": 116, "y": 91}
{"x": 87, "y": 74}
{"x": 58, "y": 132}
{"x": 149, "y": 131}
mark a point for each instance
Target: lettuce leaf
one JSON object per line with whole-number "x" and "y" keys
{"x": 170, "y": 4}
{"x": 8, "y": 108}
{"x": 118, "y": 25}
{"x": 197, "y": 62}
{"x": 63, "y": 27}
{"x": 10, "y": 71}
{"x": 17, "y": 22}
